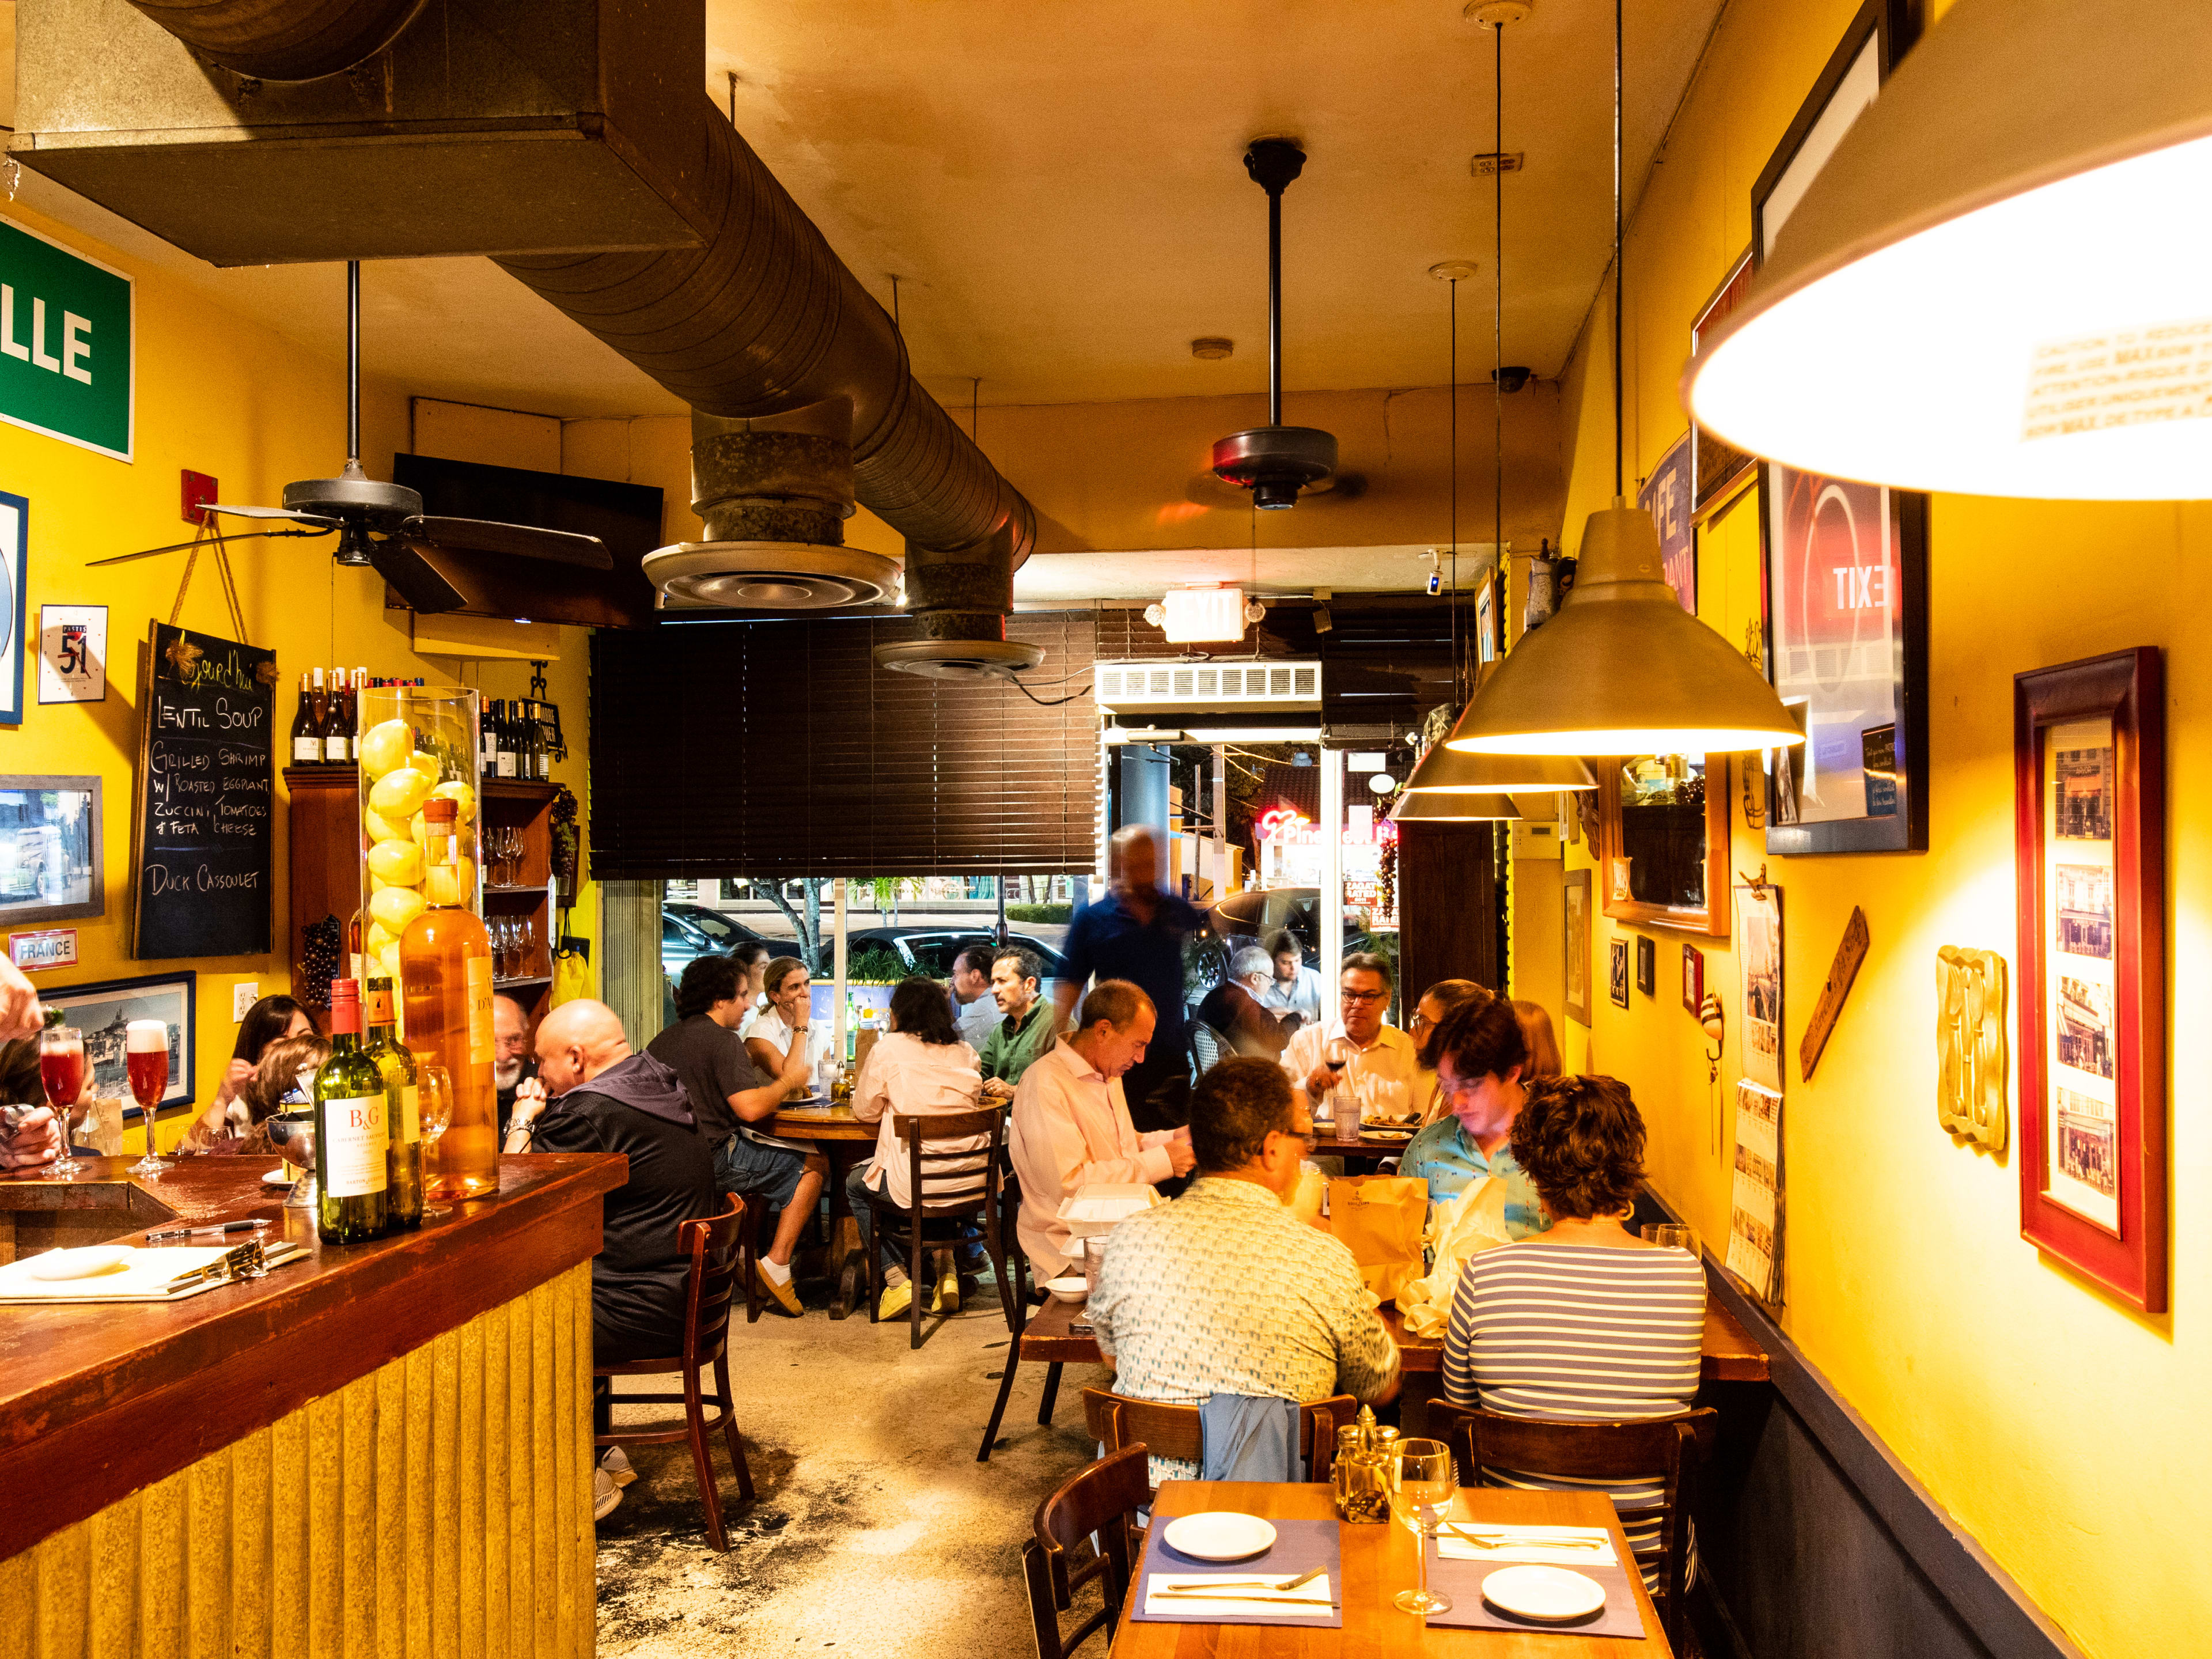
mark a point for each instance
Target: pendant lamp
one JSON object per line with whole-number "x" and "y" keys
{"x": 1997, "y": 283}
{"x": 1447, "y": 771}
{"x": 1452, "y": 809}
{"x": 1622, "y": 669}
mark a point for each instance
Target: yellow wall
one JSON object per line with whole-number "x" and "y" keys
{"x": 2061, "y": 1429}
{"x": 222, "y": 395}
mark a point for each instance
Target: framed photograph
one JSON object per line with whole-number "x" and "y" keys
{"x": 72, "y": 654}
{"x": 1717, "y": 467}
{"x": 15, "y": 542}
{"x": 1578, "y": 909}
{"x": 52, "y": 864}
{"x": 1662, "y": 841}
{"x": 1647, "y": 965}
{"x": 1486, "y": 618}
{"x": 2089, "y": 809}
{"x": 1666, "y": 496}
{"x": 1755, "y": 1202}
{"x": 1694, "y": 979}
{"x": 1617, "y": 975}
{"x": 102, "y": 1012}
{"x": 1846, "y": 562}
{"x": 1758, "y": 947}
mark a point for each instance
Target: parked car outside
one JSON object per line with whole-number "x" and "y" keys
{"x": 724, "y": 932}
{"x": 679, "y": 943}
{"x": 932, "y": 951}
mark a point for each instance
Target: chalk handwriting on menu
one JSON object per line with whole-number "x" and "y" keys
{"x": 205, "y": 797}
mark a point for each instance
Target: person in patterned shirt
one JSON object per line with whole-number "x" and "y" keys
{"x": 1224, "y": 1290}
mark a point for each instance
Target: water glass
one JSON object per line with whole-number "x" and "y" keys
{"x": 1421, "y": 1493}
{"x": 1667, "y": 1236}
{"x": 1094, "y": 1258}
{"x": 433, "y": 1095}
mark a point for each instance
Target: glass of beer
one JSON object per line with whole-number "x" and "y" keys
{"x": 146, "y": 1044}
{"x": 61, "y": 1071}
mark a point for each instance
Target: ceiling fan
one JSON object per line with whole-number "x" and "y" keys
{"x": 382, "y": 526}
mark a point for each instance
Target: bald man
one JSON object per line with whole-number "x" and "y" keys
{"x": 603, "y": 1098}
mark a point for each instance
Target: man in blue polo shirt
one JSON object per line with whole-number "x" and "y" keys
{"x": 1136, "y": 932}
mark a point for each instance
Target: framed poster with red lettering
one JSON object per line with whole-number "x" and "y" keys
{"x": 1846, "y": 562}
{"x": 2089, "y": 816}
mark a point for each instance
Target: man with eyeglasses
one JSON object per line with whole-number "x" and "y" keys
{"x": 1378, "y": 1073}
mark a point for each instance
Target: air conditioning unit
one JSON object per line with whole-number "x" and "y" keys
{"x": 1161, "y": 688}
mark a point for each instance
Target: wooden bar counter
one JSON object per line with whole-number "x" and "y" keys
{"x": 379, "y": 1449}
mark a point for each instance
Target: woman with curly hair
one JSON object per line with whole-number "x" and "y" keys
{"x": 1587, "y": 1321}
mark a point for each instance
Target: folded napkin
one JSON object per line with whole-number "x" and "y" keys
{"x": 1558, "y": 1546}
{"x": 1243, "y": 1594}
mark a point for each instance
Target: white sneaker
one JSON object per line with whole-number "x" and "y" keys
{"x": 604, "y": 1494}
{"x": 617, "y": 1463}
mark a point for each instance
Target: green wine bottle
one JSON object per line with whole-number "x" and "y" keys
{"x": 352, "y": 1125}
{"x": 403, "y": 1155}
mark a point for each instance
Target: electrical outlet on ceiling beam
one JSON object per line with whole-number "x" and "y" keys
{"x": 1490, "y": 162}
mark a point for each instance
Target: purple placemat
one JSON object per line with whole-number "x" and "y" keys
{"x": 1462, "y": 1582}
{"x": 1299, "y": 1547}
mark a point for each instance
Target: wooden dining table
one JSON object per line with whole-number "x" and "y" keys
{"x": 1378, "y": 1562}
{"x": 841, "y": 1138}
{"x": 1729, "y": 1355}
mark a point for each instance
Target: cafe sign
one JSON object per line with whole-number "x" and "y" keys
{"x": 65, "y": 343}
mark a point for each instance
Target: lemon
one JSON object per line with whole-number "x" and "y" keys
{"x": 463, "y": 797}
{"x": 400, "y": 862}
{"x": 389, "y": 955}
{"x": 376, "y": 885}
{"x": 380, "y": 828}
{"x": 428, "y": 764}
{"x": 385, "y": 747}
{"x": 376, "y": 938}
{"x": 399, "y": 791}
{"x": 395, "y": 907}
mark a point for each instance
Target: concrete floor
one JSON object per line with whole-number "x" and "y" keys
{"x": 876, "y": 1530}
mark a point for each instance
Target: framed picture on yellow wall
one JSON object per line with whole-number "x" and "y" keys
{"x": 1578, "y": 900}
{"x": 14, "y": 544}
{"x": 1617, "y": 973}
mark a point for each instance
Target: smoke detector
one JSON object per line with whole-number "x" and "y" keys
{"x": 1211, "y": 348}
{"x": 967, "y": 661}
{"x": 1274, "y": 461}
{"x": 769, "y": 575}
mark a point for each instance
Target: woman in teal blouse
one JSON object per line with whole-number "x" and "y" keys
{"x": 1481, "y": 1056}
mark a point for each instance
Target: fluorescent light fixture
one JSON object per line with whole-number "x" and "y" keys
{"x": 1995, "y": 285}
{"x": 1253, "y": 734}
{"x": 1194, "y": 615}
{"x": 1144, "y": 734}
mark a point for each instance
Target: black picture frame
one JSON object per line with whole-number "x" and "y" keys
{"x": 1617, "y": 972}
{"x": 175, "y": 999}
{"x": 1890, "y": 764}
{"x": 1647, "y": 965}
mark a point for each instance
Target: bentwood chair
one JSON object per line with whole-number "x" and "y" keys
{"x": 1208, "y": 1047}
{"x": 710, "y": 1287}
{"x": 1018, "y": 1309}
{"x": 1614, "y": 1453}
{"x": 1172, "y": 1431}
{"x": 950, "y": 1181}
{"x": 1099, "y": 1501}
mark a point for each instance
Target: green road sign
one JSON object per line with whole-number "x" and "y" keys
{"x": 65, "y": 345}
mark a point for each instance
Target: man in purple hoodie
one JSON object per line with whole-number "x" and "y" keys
{"x": 603, "y": 1098}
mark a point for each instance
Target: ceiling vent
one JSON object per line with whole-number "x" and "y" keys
{"x": 964, "y": 660}
{"x": 1150, "y": 688}
{"x": 1274, "y": 461}
{"x": 774, "y": 493}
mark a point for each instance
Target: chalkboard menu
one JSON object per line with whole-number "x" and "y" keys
{"x": 203, "y": 828}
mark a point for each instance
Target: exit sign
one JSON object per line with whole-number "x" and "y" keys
{"x": 65, "y": 343}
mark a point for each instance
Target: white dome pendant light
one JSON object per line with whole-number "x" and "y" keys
{"x": 1622, "y": 669}
{"x": 1997, "y": 283}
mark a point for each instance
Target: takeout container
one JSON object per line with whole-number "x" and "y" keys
{"x": 1094, "y": 1210}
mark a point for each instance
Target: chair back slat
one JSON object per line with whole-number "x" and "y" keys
{"x": 1099, "y": 1501}
{"x": 711, "y": 1278}
{"x": 936, "y": 1188}
{"x": 1116, "y": 1420}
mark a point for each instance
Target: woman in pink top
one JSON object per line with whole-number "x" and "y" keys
{"x": 922, "y": 1067}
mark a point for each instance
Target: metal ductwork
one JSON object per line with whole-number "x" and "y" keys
{"x": 284, "y": 39}
{"x": 774, "y": 493}
{"x": 599, "y": 175}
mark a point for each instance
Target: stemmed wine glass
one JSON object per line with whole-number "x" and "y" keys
{"x": 434, "y": 1092}
{"x": 61, "y": 1070}
{"x": 1421, "y": 1491}
{"x": 146, "y": 1044}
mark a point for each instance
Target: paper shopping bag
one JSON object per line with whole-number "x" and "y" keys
{"x": 1379, "y": 1219}
{"x": 1472, "y": 1222}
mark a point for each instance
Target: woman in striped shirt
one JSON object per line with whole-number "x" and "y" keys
{"x": 1586, "y": 1323}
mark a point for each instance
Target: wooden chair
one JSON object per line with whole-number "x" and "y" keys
{"x": 1020, "y": 1310}
{"x": 1671, "y": 1447}
{"x": 750, "y": 1233}
{"x": 1099, "y": 1501}
{"x": 941, "y": 1194}
{"x": 1172, "y": 1431}
{"x": 710, "y": 1288}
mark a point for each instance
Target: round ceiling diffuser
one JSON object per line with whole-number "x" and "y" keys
{"x": 771, "y": 576}
{"x": 959, "y": 660}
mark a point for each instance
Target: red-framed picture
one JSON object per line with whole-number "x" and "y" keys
{"x": 2089, "y": 805}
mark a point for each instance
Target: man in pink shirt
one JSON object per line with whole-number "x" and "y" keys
{"x": 1071, "y": 1126}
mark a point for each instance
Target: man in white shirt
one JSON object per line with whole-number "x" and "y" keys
{"x": 1070, "y": 1126}
{"x": 974, "y": 1012}
{"x": 1295, "y": 989}
{"x": 1378, "y": 1076}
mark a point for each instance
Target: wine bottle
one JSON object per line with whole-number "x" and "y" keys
{"x": 487, "y": 743}
{"x": 352, "y": 1125}
{"x": 307, "y": 747}
{"x": 506, "y": 756}
{"x": 403, "y": 1198}
{"x": 338, "y": 738}
{"x": 320, "y": 730}
{"x": 445, "y": 975}
{"x": 526, "y": 748}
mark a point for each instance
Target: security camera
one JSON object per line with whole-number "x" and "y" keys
{"x": 1435, "y": 583}
{"x": 1510, "y": 380}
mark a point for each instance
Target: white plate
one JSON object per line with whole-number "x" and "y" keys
{"x": 1074, "y": 1289}
{"x": 276, "y": 1178}
{"x": 81, "y": 1263}
{"x": 1221, "y": 1535}
{"x": 1551, "y": 1594}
